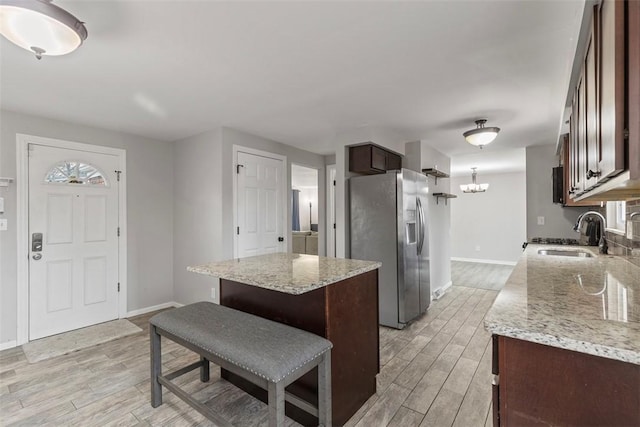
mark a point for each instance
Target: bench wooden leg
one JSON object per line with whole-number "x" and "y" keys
{"x": 156, "y": 367}
{"x": 324, "y": 390}
{"x": 276, "y": 404}
{"x": 204, "y": 369}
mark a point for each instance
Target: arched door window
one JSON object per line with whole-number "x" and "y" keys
{"x": 76, "y": 173}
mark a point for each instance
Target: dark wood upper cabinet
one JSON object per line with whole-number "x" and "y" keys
{"x": 610, "y": 21}
{"x": 604, "y": 140}
{"x": 371, "y": 159}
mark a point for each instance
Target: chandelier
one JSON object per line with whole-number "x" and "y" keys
{"x": 481, "y": 136}
{"x": 474, "y": 187}
{"x": 41, "y": 27}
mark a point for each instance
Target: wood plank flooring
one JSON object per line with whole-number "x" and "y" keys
{"x": 435, "y": 372}
{"x": 480, "y": 275}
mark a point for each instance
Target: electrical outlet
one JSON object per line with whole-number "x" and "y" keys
{"x": 478, "y": 248}
{"x": 540, "y": 220}
{"x": 213, "y": 293}
{"x": 3, "y": 224}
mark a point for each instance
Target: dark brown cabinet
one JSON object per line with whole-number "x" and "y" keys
{"x": 540, "y": 385}
{"x": 371, "y": 159}
{"x": 604, "y": 141}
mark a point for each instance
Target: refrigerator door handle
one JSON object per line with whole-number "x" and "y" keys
{"x": 420, "y": 225}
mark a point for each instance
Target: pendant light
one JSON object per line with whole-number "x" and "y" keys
{"x": 41, "y": 27}
{"x": 481, "y": 136}
{"x": 474, "y": 187}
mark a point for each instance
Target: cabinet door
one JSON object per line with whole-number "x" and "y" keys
{"x": 592, "y": 143}
{"x": 581, "y": 143}
{"x": 378, "y": 159}
{"x": 612, "y": 86}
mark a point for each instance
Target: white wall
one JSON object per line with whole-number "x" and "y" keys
{"x": 489, "y": 226}
{"x": 558, "y": 220}
{"x": 203, "y": 202}
{"x": 197, "y": 213}
{"x": 149, "y": 215}
{"x": 420, "y": 156}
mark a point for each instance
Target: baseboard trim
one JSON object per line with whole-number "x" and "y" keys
{"x": 484, "y": 261}
{"x": 8, "y": 345}
{"x": 439, "y": 293}
{"x": 146, "y": 310}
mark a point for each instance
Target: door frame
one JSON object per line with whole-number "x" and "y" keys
{"x": 331, "y": 211}
{"x": 285, "y": 184}
{"x": 22, "y": 222}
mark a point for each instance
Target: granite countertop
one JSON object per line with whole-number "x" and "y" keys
{"x": 286, "y": 272}
{"x": 590, "y": 305}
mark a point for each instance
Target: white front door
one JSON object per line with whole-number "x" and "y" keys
{"x": 73, "y": 230}
{"x": 260, "y": 210}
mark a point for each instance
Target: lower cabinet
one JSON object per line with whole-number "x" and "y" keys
{"x": 539, "y": 385}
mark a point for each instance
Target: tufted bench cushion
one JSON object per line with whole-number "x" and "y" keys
{"x": 268, "y": 349}
{"x": 267, "y": 353}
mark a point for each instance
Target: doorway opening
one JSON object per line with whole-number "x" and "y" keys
{"x": 304, "y": 210}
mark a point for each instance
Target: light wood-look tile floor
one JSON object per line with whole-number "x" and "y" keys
{"x": 435, "y": 372}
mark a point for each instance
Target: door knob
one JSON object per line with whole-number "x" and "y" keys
{"x": 37, "y": 256}
{"x": 280, "y": 239}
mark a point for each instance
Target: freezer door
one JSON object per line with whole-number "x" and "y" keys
{"x": 422, "y": 191}
{"x": 373, "y": 215}
{"x": 408, "y": 239}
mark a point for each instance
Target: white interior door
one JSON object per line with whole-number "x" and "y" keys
{"x": 73, "y": 266}
{"x": 260, "y": 210}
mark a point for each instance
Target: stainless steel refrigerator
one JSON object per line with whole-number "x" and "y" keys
{"x": 389, "y": 224}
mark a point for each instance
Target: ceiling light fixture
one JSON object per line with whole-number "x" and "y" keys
{"x": 41, "y": 27}
{"x": 474, "y": 187}
{"x": 481, "y": 135}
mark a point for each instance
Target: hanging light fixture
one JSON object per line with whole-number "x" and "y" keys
{"x": 474, "y": 187}
{"x": 41, "y": 27}
{"x": 481, "y": 136}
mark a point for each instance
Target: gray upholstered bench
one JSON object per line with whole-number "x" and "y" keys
{"x": 267, "y": 353}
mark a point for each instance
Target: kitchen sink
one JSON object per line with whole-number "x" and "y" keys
{"x": 565, "y": 252}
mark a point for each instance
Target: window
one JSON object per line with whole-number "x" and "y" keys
{"x": 74, "y": 172}
{"x": 616, "y": 216}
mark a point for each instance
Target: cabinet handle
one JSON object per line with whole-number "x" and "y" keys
{"x": 592, "y": 174}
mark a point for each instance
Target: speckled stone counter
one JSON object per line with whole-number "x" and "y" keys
{"x": 590, "y": 305}
{"x": 285, "y": 272}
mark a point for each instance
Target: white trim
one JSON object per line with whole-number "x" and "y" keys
{"x": 234, "y": 179}
{"x": 484, "y": 261}
{"x": 22, "y": 223}
{"x": 439, "y": 293}
{"x": 146, "y": 310}
{"x": 8, "y": 344}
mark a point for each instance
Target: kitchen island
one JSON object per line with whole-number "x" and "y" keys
{"x": 331, "y": 297}
{"x": 566, "y": 340}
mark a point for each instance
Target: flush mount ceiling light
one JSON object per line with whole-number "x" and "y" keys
{"x": 481, "y": 135}
{"x": 474, "y": 187}
{"x": 41, "y": 27}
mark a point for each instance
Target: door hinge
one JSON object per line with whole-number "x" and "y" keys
{"x": 238, "y": 230}
{"x": 238, "y": 168}
{"x": 118, "y": 286}
{"x": 118, "y": 231}
{"x": 626, "y": 134}
{"x": 334, "y": 182}
{"x": 118, "y": 175}
{"x": 334, "y": 225}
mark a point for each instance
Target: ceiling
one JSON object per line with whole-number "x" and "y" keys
{"x": 303, "y": 73}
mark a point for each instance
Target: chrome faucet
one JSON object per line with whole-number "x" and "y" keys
{"x": 602, "y": 243}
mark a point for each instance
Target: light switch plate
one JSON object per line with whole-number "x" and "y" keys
{"x": 540, "y": 220}
{"x": 3, "y": 224}
{"x": 1, "y": 205}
